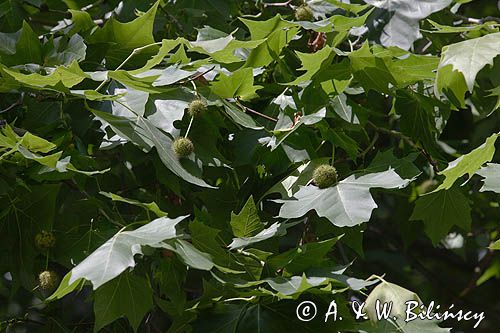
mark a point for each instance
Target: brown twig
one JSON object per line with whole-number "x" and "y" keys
{"x": 478, "y": 272}
{"x": 409, "y": 141}
{"x": 247, "y": 109}
{"x": 370, "y": 146}
{"x": 198, "y": 75}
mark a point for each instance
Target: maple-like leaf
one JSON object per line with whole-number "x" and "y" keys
{"x": 346, "y": 204}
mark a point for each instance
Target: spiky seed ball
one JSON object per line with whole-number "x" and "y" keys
{"x": 304, "y": 13}
{"x": 45, "y": 240}
{"x": 196, "y": 107}
{"x": 325, "y": 176}
{"x": 48, "y": 280}
{"x": 183, "y": 147}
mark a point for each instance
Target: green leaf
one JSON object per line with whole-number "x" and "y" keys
{"x": 65, "y": 53}
{"x": 125, "y": 128}
{"x": 127, "y": 295}
{"x": 296, "y": 261}
{"x": 36, "y": 144}
{"x": 397, "y": 297}
{"x": 171, "y": 75}
{"x": 125, "y": 37}
{"x": 223, "y": 318}
{"x": 130, "y": 35}
{"x": 238, "y": 85}
{"x": 370, "y": 71}
{"x": 29, "y": 144}
{"x": 344, "y": 110}
{"x": 190, "y": 255}
{"x": 421, "y": 326}
{"x": 65, "y": 288}
{"x": 403, "y": 166}
{"x": 413, "y": 69}
{"x": 206, "y": 239}
{"x": 247, "y": 223}
{"x": 240, "y": 117}
{"x": 163, "y": 145}
{"x": 495, "y": 92}
{"x": 403, "y": 28}
{"x": 12, "y": 14}
{"x": 117, "y": 253}
{"x": 440, "y": 211}
{"x": 211, "y": 40}
{"x": 446, "y": 29}
{"x": 68, "y": 76}
{"x": 400, "y": 326}
{"x": 232, "y": 52}
{"x": 346, "y": 204}
{"x": 312, "y": 63}
{"x": 81, "y": 21}
{"x": 386, "y": 292}
{"x": 275, "y": 230}
{"x": 418, "y": 118}
{"x": 277, "y": 32}
{"x": 491, "y": 174}
{"x": 496, "y": 245}
{"x": 468, "y": 164}
{"x": 27, "y": 50}
{"x": 468, "y": 58}
{"x": 152, "y": 206}
{"x": 144, "y": 134}
{"x": 167, "y": 45}
{"x": 281, "y": 134}
{"x": 343, "y": 23}
{"x": 493, "y": 271}
{"x": 452, "y": 84}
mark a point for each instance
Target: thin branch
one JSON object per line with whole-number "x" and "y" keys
{"x": 198, "y": 75}
{"x": 132, "y": 54}
{"x": 370, "y": 146}
{"x": 363, "y": 153}
{"x": 478, "y": 272}
{"x": 16, "y": 104}
{"x": 247, "y": 109}
{"x": 92, "y": 5}
{"x": 409, "y": 141}
{"x": 278, "y": 4}
{"x": 478, "y": 21}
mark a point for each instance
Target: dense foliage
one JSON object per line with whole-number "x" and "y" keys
{"x": 207, "y": 165}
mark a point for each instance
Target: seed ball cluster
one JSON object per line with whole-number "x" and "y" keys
{"x": 48, "y": 280}
{"x": 45, "y": 240}
{"x": 196, "y": 107}
{"x": 183, "y": 147}
{"x": 304, "y": 13}
{"x": 325, "y": 176}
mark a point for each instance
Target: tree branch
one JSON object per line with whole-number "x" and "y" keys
{"x": 14, "y": 105}
{"x": 247, "y": 109}
{"x": 409, "y": 141}
{"x": 478, "y": 272}
{"x": 278, "y": 4}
